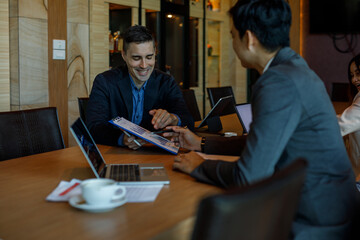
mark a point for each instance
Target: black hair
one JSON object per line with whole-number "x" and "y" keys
{"x": 269, "y": 20}
{"x": 353, "y": 89}
{"x": 137, "y": 34}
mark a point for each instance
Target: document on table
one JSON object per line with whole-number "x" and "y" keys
{"x": 143, "y": 193}
{"x": 134, "y": 193}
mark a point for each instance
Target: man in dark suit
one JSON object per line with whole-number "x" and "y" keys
{"x": 137, "y": 92}
{"x": 292, "y": 118}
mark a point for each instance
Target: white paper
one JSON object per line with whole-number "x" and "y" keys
{"x": 145, "y": 134}
{"x": 134, "y": 193}
{"x": 142, "y": 193}
{"x": 63, "y": 186}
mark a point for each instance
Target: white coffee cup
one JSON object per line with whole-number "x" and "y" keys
{"x": 101, "y": 191}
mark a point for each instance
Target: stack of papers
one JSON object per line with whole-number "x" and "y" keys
{"x": 134, "y": 193}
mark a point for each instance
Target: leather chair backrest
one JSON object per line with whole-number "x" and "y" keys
{"x": 261, "y": 211}
{"x": 82, "y": 102}
{"x": 28, "y": 132}
{"x": 191, "y": 103}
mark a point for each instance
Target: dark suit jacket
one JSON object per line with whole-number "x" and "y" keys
{"x": 111, "y": 96}
{"x": 293, "y": 117}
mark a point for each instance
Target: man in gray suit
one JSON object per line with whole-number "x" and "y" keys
{"x": 292, "y": 118}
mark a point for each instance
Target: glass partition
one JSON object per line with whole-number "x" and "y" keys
{"x": 193, "y": 52}
{"x": 153, "y": 24}
{"x": 213, "y": 54}
{"x": 174, "y": 59}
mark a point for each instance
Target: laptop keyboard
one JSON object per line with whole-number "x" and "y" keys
{"x": 125, "y": 173}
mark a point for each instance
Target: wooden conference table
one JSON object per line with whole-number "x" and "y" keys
{"x": 25, "y": 183}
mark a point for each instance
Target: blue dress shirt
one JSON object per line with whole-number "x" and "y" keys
{"x": 138, "y": 106}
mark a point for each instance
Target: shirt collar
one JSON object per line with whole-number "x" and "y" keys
{"x": 134, "y": 86}
{"x": 268, "y": 65}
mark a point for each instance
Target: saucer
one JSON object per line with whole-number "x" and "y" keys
{"x": 78, "y": 202}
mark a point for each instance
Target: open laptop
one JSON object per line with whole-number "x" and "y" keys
{"x": 244, "y": 113}
{"x": 217, "y": 109}
{"x": 142, "y": 173}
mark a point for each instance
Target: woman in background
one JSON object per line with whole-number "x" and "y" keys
{"x": 349, "y": 120}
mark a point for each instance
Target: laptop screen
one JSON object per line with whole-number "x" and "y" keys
{"x": 88, "y": 146}
{"x": 245, "y": 115}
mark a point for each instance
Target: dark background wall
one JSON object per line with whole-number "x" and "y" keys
{"x": 319, "y": 49}
{"x": 330, "y": 64}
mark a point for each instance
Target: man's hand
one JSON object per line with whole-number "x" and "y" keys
{"x": 129, "y": 141}
{"x": 187, "y": 162}
{"x": 184, "y": 138}
{"x": 162, "y": 118}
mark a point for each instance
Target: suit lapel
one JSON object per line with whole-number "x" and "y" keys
{"x": 124, "y": 86}
{"x": 151, "y": 93}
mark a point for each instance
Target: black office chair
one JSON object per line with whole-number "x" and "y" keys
{"x": 215, "y": 93}
{"x": 82, "y": 102}
{"x": 191, "y": 103}
{"x": 28, "y": 132}
{"x": 262, "y": 211}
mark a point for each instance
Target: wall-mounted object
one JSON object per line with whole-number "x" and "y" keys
{"x": 59, "y": 48}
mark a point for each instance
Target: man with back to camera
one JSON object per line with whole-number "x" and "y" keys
{"x": 292, "y": 118}
{"x": 137, "y": 92}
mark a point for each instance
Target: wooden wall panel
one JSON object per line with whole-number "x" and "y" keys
{"x": 28, "y": 55}
{"x": 78, "y": 11}
{"x": 78, "y": 57}
{"x": 151, "y": 4}
{"x": 13, "y": 8}
{"x": 58, "y": 95}
{"x": 33, "y": 57}
{"x": 99, "y": 38}
{"x": 4, "y": 57}
{"x": 14, "y": 63}
{"x": 78, "y": 69}
{"x": 135, "y": 16}
{"x": 130, "y": 3}
{"x": 33, "y": 8}
{"x": 196, "y": 9}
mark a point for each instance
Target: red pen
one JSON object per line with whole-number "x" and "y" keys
{"x": 69, "y": 189}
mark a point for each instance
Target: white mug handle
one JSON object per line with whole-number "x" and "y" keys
{"x": 120, "y": 195}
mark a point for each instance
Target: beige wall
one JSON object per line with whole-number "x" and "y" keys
{"x": 4, "y": 57}
{"x": 28, "y": 54}
{"x": 78, "y": 56}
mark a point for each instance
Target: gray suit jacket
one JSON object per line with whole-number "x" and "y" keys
{"x": 293, "y": 117}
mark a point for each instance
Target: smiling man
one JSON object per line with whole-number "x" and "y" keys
{"x": 137, "y": 92}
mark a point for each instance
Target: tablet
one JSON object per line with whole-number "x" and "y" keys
{"x": 244, "y": 113}
{"x": 217, "y": 109}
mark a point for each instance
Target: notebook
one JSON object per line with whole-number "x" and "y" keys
{"x": 142, "y": 173}
{"x": 217, "y": 109}
{"x": 244, "y": 113}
